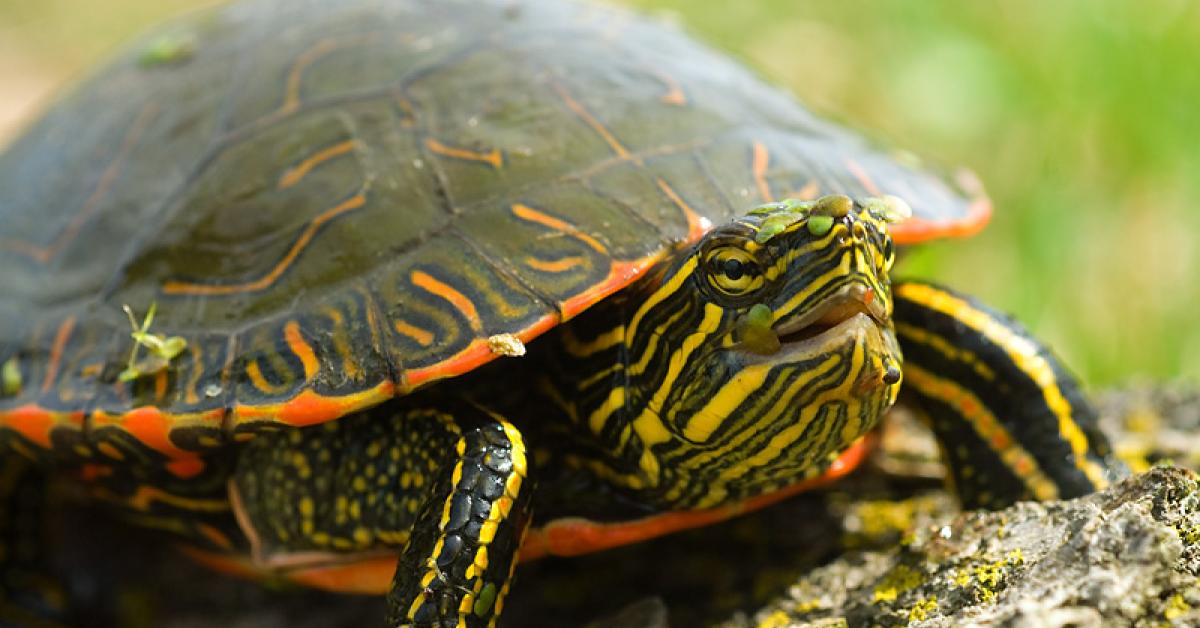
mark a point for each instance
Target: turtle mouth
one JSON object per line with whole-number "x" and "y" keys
{"x": 831, "y": 313}
{"x": 852, "y": 314}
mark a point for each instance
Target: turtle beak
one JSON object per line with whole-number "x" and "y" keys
{"x": 852, "y": 299}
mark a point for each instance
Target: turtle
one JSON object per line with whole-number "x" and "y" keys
{"x": 350, "y": 293}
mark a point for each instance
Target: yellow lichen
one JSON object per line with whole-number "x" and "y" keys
{"x": 922, "y": 609}
{"x": 808, "y": 606}
{"x": 869, "y": 522}
{"x": 962, "y": 578}
{"x": 1176, "y": 607}
{"x": 778, "y": 619}
{"x": 1189, "y": 535}
{"x": 897, "y": 581}
{"x": 989, "y": 577}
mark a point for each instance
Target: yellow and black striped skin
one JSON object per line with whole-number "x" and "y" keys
{"x": 676, "y": 409}
{"x": 459, "y": 561}
{"x": 1013, "y": 424}
{"x": 443, "y": 486}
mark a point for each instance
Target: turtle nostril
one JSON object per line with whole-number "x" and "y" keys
{"x": 859, "y": 231}
{"x": 891, "y": 375}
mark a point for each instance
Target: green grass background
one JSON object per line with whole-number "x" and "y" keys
{"x": 1081, "y": 116}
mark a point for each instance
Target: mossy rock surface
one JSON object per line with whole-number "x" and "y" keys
{"x": 1127, "y": 556}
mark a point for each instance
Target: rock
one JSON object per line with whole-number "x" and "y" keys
{"x": 650, "y": 612}
{"x": 1149, "y": 423}
{"x": 1129, "y": 555}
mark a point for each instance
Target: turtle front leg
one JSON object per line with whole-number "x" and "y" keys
{"x": 460, "y": 557}
{"x": 29, "y": 596}
{"x": 1011, "y": 422}
{"x": 448, "y": 484}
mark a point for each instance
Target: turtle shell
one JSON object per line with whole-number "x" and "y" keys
{"x": 334, "y": 203}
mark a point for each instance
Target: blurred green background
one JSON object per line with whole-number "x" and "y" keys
{"x": 1081, "y": 116}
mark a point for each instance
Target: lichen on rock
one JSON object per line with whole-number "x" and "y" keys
{"x": 1128, "y": 555}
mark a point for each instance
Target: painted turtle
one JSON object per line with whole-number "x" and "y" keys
{"x": 333, "y": 217}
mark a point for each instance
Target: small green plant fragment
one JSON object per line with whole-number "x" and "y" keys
{"x": 774, "y": 225}
{"x": 820, "y": 225}
{"x": 786, "y": 205}
{"x": 169, "y": 49}
{"x": 797, "y": 205}
{"x": 889, "y": 208}
{"x": 162, "y": 349}
{"x": 779, "y": 216}
{"x": 485, "y": 601}
{"x": 767, "y": 208}
{"x": 10, "y": 379}
{"x": 833, "y": 205}
{"x": 755, "y": 333}
{"x": 760, "y": 315}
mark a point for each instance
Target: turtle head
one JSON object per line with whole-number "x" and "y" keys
{"x": 770, "y": 341}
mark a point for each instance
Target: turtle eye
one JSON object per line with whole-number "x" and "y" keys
{"x": 733, "y": 272}
{"x": 889, "y": 254}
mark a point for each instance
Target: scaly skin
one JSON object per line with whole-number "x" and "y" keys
{"x": 1012, "y": 422}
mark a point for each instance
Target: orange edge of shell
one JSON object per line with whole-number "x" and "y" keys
{"x": 978, "y": 215}
{"x": 35, "y": 422}
{"x": 152, "y": 426}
